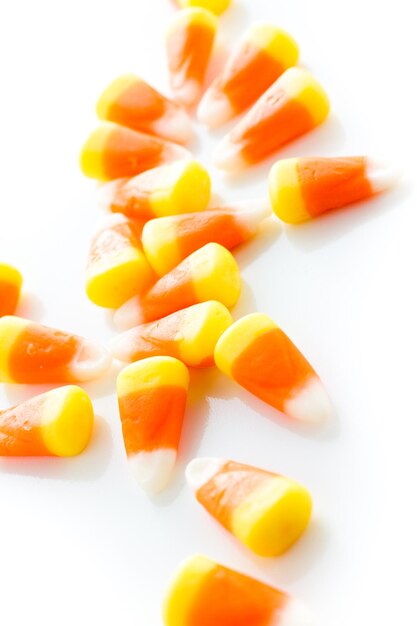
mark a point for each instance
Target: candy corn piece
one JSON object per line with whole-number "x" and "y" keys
{"x": 205, "y": 593}
{"x": 117, "y": 268}
{"x": 180, "y": 187}
{"x": 189, "y": 335}
{"x": 152, "y": 396}
{"x": 113, "y": 151}
{"x": 169, "y": 240}
{"x": 10, "y": 285}
{"x": 266, "y": 512}
{"x": 303, "y": 188}
{"x": 210, "y": 273}
{"x": 189, "y": 43}
{"x": 259, "y": 356}
{"x": 32, "y": 353}
{"x": 263, "y": 54}
{"x": 292, "y": 106}
{"x": 56, "y": 423}
{"x": 215, "y": 6}
{"x": 131, "y": 102}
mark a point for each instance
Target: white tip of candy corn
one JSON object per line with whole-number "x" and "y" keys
{"x": 228, "y": 157}
{"x": 311, "y": 404}
{"x": 214, "y": 109}
{"x": 153, "y": 470}
{"x": 174, "y": 152}
{"x": 294, "y": 614}
{"x": 128, "y": 315}
{"x": 108, "y": 191}
{"x": 121, "y": 346}
{"x": 187, "y": 93}
{"x": 200, "y": 471}
{"x": 382, "y": 177}
{"x": 252, "y": 212}
{"x": 91, "y": 362}
{"x": 177, "y": 127}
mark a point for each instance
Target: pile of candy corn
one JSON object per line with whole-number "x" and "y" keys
{"x": 162, "y": 261}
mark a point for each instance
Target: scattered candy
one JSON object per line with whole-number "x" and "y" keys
{"x": 10, "y": 285}
{"x": 292, "y": 106}
{"x": 259, "y": 356}
{"x": 117, "y": 268}
{"x": 152, "y": 397}
{"x": 180, "y": 187}
{"x": 190, "y": 40}
{"x": 113, "y": 151}
{"x": 32, "y": 353}
{"x": 189, "y": 335}
{"x": 210, "y": 273}
{"x": 56, "y": 423}
{"x": 169, "y": 240}
{"x": 265, "y": 511}
{"x": 263, "y": 54}
{"x": 205, "y": 593}
{"x": 215, "y": 6}
{"x": 303, "y": 188}
{"x": 131, "y": 102}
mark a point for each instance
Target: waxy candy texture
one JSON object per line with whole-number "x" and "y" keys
{"x": 263, "y": 54}
{"x": 258, "y": 355}
{"x": 56, "y": 423}
{"x": 215, "y": 6}
{"x": 152, "y": 396}
{"x": 265, "y": 511}
{"x": 10, "y": 285}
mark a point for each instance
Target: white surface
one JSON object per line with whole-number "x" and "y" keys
{"x": 80, "y": 542}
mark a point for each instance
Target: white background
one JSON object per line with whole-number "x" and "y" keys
{"x": 79, "y": 542}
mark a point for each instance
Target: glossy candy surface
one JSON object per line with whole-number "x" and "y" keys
{"x": 10, "y": 286}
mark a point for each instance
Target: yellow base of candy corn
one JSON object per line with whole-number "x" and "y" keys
{"x": 202, "y": 331}
{"x": 285, "y": 193}
{"x": 215, "y": 6}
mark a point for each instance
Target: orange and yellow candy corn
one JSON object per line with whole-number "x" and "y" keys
{"x": 152, "y": 396}
{"x": 189, "y": 335}
{"x": 117, "y": 268}
{"x": 113, "y": 151}
{"x": 131, "y": 102}
{"x": 32, "y": 353}
{"x": 169, "y": 240}
{"x": 56, "y": 423}
{"x": 215, "y": 6}
{"x": 295, "y": 104}
{"x": 265, "y": 511}
{"x": 210, "y": 273}
{"x": 258, "y": 355}
{"x": 189, "y": 43}
{"x": 204, "y": 593}
{"x": 263, "y": 54}
{"x": 303, "y": 188}
{"x": 10, "y": 286}
{"x": 180, "y": 187}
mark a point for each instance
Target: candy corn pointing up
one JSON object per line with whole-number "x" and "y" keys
{"x": 292, "y": 106}
{"x": 152, "y": 396}
{"x": 263, "y": 54}
{"x": 259, "y": 356}
{"x": 303, "y": 188}
{"x": 204, "y": 593}
{"x": 10, "y": 285}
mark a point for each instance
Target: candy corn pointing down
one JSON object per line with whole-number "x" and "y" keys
{"x": 292, "y": 106}
{"x": 169, "y": 240}
{"x": 266, "y": 512}
{"x": 10, "y": 285}
{"x": 303, "y": 188}
{"x": 263, "y": 54}
{"x": 152, "y": 396}
{"x": 204, "y": 593}
{"x": 259, "y": 356}
{"x": 31, "y": 353}
{"x": 215, "y": 6}
{"x": 189, "y": 335}
{"x": 56, "y": 423}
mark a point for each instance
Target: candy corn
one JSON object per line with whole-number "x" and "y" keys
{"x": 10, "y": 285}
{"x": 263, "y": 54}
{"x": 169, "y": 240}
{"x": 205, "y": 593}
{"x": 259, "y": 356}
{"x": 56, "y": 423}
{"x": 32, "y": 353}
{"x": 266, "y": 512}
{"x": 303, "y": 188}
{"x": 131, "y": 102}
{"x": 117, "y": 268}
{"x": 189, "y": 43}
{"x": 189, "y": 335}
{"x": 113, "y": 151}
{"x": 152, "y": 396}
{"x": 215, "y": 6}
{"x": 180, "y": 187}
{"x": 292, "y": 106}
{"x": 210, "y": 273}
